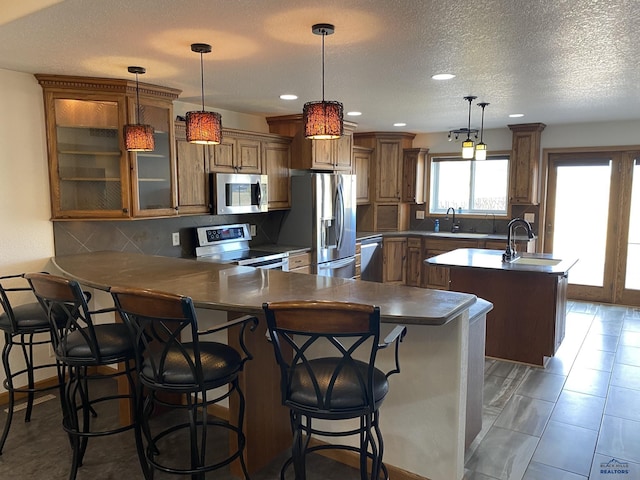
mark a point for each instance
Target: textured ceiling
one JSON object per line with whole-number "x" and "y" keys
{"x": 555, "y": 61}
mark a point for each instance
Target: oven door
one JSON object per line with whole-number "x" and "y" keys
{"x": 237, "y": 193}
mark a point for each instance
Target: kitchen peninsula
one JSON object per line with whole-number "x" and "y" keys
{"x": 423, "y": 418}
{"x": 529, "y": 294}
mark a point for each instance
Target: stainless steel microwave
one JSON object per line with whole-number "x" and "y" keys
{"x": 235, "y": 193}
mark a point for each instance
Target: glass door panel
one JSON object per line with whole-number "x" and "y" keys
{"x": 582, "y": 201}
{"x": 88, "y": 155}
{"x": 632, "y": 277}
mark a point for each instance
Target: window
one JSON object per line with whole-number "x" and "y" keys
{"x": 475, "y": 187}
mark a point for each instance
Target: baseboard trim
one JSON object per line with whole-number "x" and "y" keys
{"x": 50, "y": 382}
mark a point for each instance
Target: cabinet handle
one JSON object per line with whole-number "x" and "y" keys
{"x": 125, "y": 210}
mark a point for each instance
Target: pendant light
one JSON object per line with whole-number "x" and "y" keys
{"x": 481, "y": 147}
{"x": 467, "y": 145}
{"x": 203, "y": 127}
{"x": 137, "y": 137}
{"x": 322, "y": 120}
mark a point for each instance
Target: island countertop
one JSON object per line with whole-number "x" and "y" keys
{"x": 244, "y": 289}
{"x": 492, "y": 259}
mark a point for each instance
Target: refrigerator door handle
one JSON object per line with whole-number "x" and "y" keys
{"x": 340, "y": 214}
{"x": 336, "y": 264}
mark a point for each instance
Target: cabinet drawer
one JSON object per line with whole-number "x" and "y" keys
{"x": 448, "y": 245}
{"x": 299, "y": 260}
{"x": 413, "y": 242}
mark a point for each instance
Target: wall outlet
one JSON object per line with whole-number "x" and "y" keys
{"x": 530, "y": 217}
{"x": 175, "y": 239}
{"x": 420, "y": 214}
{"x": 252, "y": 230}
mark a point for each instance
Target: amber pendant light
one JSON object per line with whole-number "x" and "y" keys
{"x": 203, "y": 127}
{"x": 323, "y": 120}
{"x": 481, "y": 147}
{"x": 137, "y": 137}
{"x": 467, "y": 145}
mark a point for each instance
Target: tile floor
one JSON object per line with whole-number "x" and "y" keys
{"x": 578, "y": 418}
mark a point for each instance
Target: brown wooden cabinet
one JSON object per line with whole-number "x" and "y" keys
{"x": 413, "y": 174}
{"x": 414, "y": 261}
{"x": 239, "y": 152}
{"x": 91, "y": 174}
{"x": 358, "y": 261}
{"x": 327, "y": 155}
{"x": 361, "y": 166}
{"x": 382, "y": 217}
{"x": 276, "y": 161}
{"x": 193, "y": 182}
{"x": 300, "y": 262}
{"x": 394, "y": 254}
{"x": 524, "y": 164}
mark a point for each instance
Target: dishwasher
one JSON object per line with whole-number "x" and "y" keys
{"x": 371, "y": 259}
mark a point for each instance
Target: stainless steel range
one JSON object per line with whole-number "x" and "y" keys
{"x": 230, "y": 244}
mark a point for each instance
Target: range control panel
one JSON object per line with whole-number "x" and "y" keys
{"x": 223, "y": 233}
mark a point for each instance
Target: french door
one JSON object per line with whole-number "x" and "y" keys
{"x": 593, "y": 213}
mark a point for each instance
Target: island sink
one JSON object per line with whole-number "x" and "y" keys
{"x": 542, "y": 262}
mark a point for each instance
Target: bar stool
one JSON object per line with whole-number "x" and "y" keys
{"x": 82, "y": 347}
{"x": 173, "y": 358}
{"x": 332, "y": 375}
{"x": 21, "y": 325}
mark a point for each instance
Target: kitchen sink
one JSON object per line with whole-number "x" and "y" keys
{"x": 541, "y": 262}
{"x": 459, "y": 235}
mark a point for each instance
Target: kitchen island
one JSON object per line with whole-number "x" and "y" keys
{"x": 423, "y": 419}
{"x": 529, "y": 295}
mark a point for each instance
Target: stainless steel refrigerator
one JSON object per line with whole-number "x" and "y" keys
{"x": 323, "y": 218}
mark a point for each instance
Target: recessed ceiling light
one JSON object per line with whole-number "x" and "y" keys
{"x": 443, "y": 76}
{"x": 516, "y": 115}
{"x": 400, "y": 124}
{"x": 354, "y": 114}
{"x": 288, "y": 96}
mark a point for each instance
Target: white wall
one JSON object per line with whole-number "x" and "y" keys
{"x": 26, "y": 233}
{"x": 235, "y": 120}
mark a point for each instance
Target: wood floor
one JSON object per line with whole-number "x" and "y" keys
{"x": 571, "y": 421}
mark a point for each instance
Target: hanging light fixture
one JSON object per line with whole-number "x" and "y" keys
{"x": 467, "y": 145}
{"x": 322, "y": 120}
{"x": 481, "y": 147}
{"x": 137, "y": 137}
{"x": 203, "y": 127}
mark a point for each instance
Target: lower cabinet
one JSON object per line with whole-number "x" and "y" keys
{"x": 414, "y": 261}
{"x": 300, "y": 262}
{"x": 394, "y": 260}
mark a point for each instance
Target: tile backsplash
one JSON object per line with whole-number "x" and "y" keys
{"x": 154, "y": 236}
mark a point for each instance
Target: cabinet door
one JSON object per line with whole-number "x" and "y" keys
{"x": 221, "y": 156}
{"x": 193, "y": 182}
{"x": 153, "y": 174}
{"x": 394, "y": 260}
{"x": 361, "y": 165}
{"x": 413, "y": 175}
{"x": 88, "y": 166}
{"x": 389, "y": 171}
{"x": 276, "y": 159}
{"x": 437, "y": 277}
{"x": 322, "y": 154}
{"x": 414, "y": 262}
{"x": 343, "y": 153}
{"x": 249, "y": 156}
{"x": 524, "y": 163}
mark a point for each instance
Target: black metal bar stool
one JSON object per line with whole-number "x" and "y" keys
{"x": 332, "y": 375}
{"x": 26, "y": 326}
{"x": 174, "y": 358}
{"x": 81, "y": 346}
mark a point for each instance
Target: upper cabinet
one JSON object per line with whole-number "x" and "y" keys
{"x": 193, "y": 168}
{"x": 239, "y": 152}
{"x": 414, "y": 161}
{"x": 327, "y": 155}
{"x": 524, "y": 165}
{"x": 361, "y": 167}
{"x": 386, "y": 173}
{"x": 91, "y": 174}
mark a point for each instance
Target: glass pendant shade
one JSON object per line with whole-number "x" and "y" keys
{"x": 204, "y": 128}
{"x": 467, "y": 148}
{"x": 139, "y": 138}
{"x": 323, "y": 120}
{"x": 481, "y": 151}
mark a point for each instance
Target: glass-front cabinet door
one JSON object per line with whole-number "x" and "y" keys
{"x": 153, "y": 175}
{"x": 88, "y": 169}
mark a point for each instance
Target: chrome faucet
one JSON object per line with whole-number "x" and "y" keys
{"x": 510, "y": 253}
{"x": 455, "y": 228}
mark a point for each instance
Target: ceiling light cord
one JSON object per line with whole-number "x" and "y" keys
{"x": 469, "y": 122}
{"x": 324, "y": 34}
{"x": 137, "y": 99}
{"x": 202, "y": 80}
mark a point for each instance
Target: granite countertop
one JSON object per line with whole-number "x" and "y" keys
{"x": 427, "y": 233}
{"x": 492, "y": 259}
{"x": 244, "y": 289}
